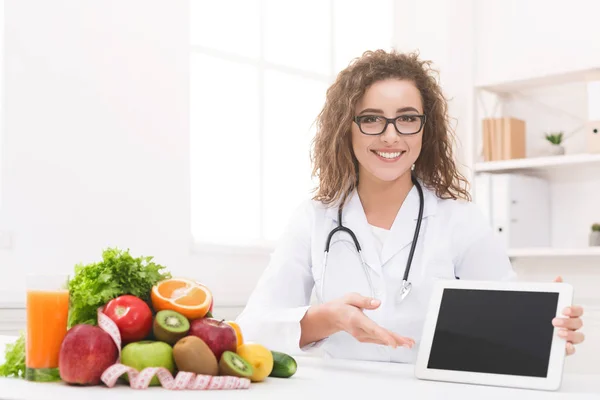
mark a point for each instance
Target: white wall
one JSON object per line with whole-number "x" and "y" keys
{"x": 519, "y": 39}
{"x": 96, "y": 133}
{"x": 96, "y": 147}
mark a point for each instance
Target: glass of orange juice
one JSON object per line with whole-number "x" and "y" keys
{"x": 47, "y": 314}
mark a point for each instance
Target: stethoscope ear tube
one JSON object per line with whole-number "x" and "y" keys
{"x": 417, "y": 230}
{"x": 341, "y": 228}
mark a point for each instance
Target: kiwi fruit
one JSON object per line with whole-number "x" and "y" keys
{"x": 170, "y": 326}
{"x": 192, "y": 354}
{"x": 232, "y": 364}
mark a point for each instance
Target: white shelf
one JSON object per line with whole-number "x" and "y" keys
{"x": 533, "y": 163}
{"x": 555, "y": 252}
{"x": 12, "y": 300}
{"x": 541, "y": 80}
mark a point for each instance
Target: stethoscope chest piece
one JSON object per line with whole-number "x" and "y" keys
{"x": 404, "y": 290}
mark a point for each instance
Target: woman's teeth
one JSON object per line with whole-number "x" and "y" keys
{"x": 388, "y": 155}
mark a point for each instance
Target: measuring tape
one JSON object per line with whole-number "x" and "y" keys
{"x": 141, "y": 379}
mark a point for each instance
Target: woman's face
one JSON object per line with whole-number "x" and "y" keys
{"x": 388, "y": 156}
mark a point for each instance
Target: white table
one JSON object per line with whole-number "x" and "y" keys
{"x": 316, "y": 379}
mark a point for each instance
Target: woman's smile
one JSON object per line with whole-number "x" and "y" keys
{"x": 389, "y": 156}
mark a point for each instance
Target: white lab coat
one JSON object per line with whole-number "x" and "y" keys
{"x": 455, "y": 241}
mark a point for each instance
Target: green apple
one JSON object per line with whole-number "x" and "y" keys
{"x": 147, "y": 353}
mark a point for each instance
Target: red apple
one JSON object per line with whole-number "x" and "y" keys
{"x": 218, "y": 335}
{"x": 132, "y": 316}
{"x": 85, "y": 353}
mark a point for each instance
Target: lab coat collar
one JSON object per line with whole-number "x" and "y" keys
{"x": 403, "y": 229}
{"x": 401, "y": 232}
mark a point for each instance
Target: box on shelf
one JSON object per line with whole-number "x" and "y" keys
{"x": 592, "y": 132}
{"x": 592, "y": 128}
{"x": 503, "y": 138}
{"x": 517, "y": 207}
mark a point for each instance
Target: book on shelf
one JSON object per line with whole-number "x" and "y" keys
{"x": 503, "y": 138}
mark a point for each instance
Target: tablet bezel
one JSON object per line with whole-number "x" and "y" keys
{"x": 557, "y": 351}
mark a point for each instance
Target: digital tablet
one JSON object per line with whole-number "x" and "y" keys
{"x": 494, "y": 333}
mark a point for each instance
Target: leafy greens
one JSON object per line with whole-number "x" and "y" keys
{"x": 117, "y": 274}
{"x": 14, "y": 359}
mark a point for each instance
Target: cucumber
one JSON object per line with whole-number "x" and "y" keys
{"x": 284, "y": 366}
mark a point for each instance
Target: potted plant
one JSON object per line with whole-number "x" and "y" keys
{"x": 556, "y": 139}
{"x": 595, "y": 235}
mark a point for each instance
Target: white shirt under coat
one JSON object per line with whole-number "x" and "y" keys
{"x": 455, "y": 242}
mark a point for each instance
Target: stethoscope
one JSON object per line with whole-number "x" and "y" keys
{"x": 406, "y": 285}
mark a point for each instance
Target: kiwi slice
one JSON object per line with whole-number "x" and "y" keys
{"x": 232, "y": 364}
{"x": 170, "y": 326}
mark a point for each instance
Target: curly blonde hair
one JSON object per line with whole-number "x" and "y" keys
{"x": 334, "y": 162}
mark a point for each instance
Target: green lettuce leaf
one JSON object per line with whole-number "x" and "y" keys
{"x": 14, "y": 359}
{"x": 118, "y": 273}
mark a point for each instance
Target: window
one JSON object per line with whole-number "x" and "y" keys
{"x": 1, "y": 97}
{"x": 259, "y": 73}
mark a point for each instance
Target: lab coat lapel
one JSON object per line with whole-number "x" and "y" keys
{"x": 353, "y": 217}
{"x": 403, "y": 229}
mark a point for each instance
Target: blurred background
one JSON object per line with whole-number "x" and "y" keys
{"x": 181, "y": 130}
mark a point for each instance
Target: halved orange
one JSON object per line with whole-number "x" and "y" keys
{"x": 185, "y": 296}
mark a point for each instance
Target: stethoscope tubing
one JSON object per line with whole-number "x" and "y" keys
{"x": 406, "y": 285}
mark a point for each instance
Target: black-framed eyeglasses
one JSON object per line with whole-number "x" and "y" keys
{"x": 408, "y": 124}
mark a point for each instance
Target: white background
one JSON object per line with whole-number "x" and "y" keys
{"x": 99, "y": 104}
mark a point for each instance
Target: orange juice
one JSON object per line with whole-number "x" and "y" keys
{"x": 47, "y": 313}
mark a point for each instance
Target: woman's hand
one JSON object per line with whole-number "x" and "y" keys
{"x": 349, "y": 317}
{"x": 570, "y": 325}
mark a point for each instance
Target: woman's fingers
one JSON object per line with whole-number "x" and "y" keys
{"x": 571, "y": 336}
{"x": 569, "y": 348}
{"x": 368, "y": 339}
{"x": 362, "y": 326}
{"x": 402, "y": 340}
{"x": 573, "y": 311}
{"x": 356, "y": 300}
{"x": 568, "y": 323}
{"x": 376, "y": 332}
{"x": 365, "y": 329}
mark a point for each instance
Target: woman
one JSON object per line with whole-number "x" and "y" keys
{"x": 385, "y": 120}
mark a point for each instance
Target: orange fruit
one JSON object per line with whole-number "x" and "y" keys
{"x": 212, "y": 300}
{"x": 185, "y": 296}
{"x": 238, "y": 332}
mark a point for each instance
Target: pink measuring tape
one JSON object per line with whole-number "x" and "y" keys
{"x": 141, "y": 379}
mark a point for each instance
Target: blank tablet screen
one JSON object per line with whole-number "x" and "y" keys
{"x": 494, "y": 331}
